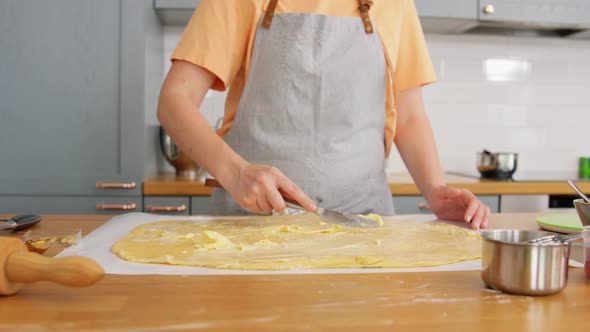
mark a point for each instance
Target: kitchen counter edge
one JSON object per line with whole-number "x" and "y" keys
{"x": 400, "y": 184}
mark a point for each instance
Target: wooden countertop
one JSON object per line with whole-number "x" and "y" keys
{"x": 400, "y": 184}
{"x": 440, "y": 301}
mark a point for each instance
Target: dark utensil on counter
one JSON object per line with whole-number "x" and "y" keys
{"x": 498, "y": 165}
{"x": 511, "y": 266}
{"x": 329, "y": 216}
{"x": 19, "y": 222}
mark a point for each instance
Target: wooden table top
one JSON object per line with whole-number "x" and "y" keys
{"x": 448, "y": 301}
{"x": 399, "y": 184}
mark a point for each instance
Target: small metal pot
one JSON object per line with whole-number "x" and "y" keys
{"x": 184, "y": 166}
{"x": 498, "y": 165}
{"x": 511, "y": 266}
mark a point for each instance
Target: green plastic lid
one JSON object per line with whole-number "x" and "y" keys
{"x": 565, "y": 223}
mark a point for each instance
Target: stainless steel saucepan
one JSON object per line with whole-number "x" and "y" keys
{"x": 497, "y": 165}
{"x": 513, "y": 266}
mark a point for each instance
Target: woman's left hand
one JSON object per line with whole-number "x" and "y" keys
{"x": 459, "y": 204}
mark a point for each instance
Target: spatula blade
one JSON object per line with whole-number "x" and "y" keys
{"x": 346, "y": 219}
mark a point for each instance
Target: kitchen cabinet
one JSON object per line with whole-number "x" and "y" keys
{"x": 200, "y": 204}
{"x": 76, "y": 80}
{"x": 564, "y": 13}
{"x": 47, "y": 204}
{"x": 177, "y": 205}
{"x": 435, "y": 15}
{"x": 455, "y": 16}
{"x": 175, "y": 12}
{"x": 172, "y": 205}
{"x": 447, "y": 16}
{"x": 417, "y": 204}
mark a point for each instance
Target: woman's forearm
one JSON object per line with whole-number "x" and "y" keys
{"x": 191, "y": 132}
{"x": 415, "y": 142}
{"x": 188, "y": 128}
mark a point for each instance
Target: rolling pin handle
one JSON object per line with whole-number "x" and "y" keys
{"x": 28, "y": 267}
{"x": 18, "y": 266}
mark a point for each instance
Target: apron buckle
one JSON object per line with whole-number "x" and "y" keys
{"x": 365, "y": 5}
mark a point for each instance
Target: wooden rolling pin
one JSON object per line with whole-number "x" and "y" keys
{"x": 18, "y": 266}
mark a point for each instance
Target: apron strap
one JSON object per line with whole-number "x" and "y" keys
{"x": 364, "y": 7}
{"x": 270, "y": 12}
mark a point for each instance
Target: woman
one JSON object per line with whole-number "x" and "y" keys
{"x": 319, "y": 92}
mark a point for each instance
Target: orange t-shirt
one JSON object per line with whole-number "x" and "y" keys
{"x": 220, "y": 37}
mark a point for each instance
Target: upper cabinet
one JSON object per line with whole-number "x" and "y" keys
{"x": 447, "y": 16}
{"x": 567, "y": 14}
{"x": 175, "y": 12}
{"x": 566, "y": 17}
{"x": 76, "y": 80}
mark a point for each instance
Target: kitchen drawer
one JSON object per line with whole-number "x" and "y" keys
{"x": 200, "y": 204}
{"x": 417, "y": 204}
{"x": 70, "y": 204}
{"x": 174, "y": 205}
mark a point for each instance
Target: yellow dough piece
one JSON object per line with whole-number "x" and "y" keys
{"x": 299, "y": 241}
{"x": 373, "y": 216}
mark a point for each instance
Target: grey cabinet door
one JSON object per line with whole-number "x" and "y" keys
{"x": 200, "y": 204}
{"x": 71, "y": 108}
{"x": 69, "y": 204}
{"x": 566, "y": 13}
{"x": 172, "y": 205}
{"x": 463, "y": 9}
{"x": 175, "y": 12}
{"x": 418, "y": 205}
{"x": 448, "y": 16}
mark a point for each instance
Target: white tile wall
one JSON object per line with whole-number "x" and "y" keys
{"x": 525, "y": 95}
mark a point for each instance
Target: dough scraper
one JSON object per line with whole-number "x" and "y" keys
{"x": 329, "y": 216}
{"x": 19, "y": 222}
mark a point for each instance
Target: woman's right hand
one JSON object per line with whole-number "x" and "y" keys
{"x": 259, "y": 187}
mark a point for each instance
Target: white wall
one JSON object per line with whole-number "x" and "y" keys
{"x": 525, "y": 95}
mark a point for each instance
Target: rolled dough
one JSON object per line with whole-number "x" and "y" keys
{"x": 297, "y": 242}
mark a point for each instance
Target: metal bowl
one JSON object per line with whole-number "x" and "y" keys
{"x": 497, "y": 165}
{"x": 185, "y": 166}
{"x": 511, "y": 266}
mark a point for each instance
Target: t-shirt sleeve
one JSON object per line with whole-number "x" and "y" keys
{"x": 414, "y": 66}
{"x": 216, "y": 38}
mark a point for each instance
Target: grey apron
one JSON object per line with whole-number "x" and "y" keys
{"x": 314, "y": 107}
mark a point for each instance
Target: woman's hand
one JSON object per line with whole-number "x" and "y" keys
{"x": 259, "y": 187}
{"x": 459, "y": 204}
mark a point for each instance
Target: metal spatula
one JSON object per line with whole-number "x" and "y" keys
{"x": 19, "y": 222}
{"x": 329, "y": 216}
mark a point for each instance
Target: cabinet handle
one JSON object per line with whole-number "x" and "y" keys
{"x": 423, "y": 206}
{"x": 151, "y": 208}
{"x": 125, "y": 207}
{"x": 107, "y": 185}
{"x": 489, "y": 9}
